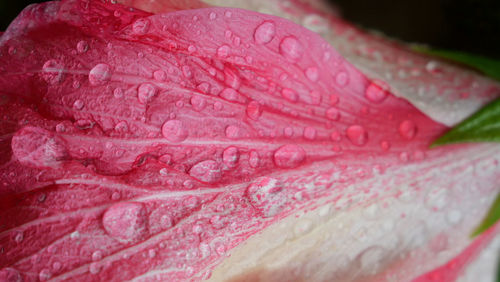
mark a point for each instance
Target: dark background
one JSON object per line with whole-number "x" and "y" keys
{"x": 466, "y": 25}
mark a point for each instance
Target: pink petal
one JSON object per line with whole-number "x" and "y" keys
{"x": 163, "y": 6}
{"x": 118, "y": 120}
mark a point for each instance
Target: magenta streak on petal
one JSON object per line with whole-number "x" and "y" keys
{"x": 146, "y": 137}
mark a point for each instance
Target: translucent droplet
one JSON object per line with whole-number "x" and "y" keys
{"x": 94, "y": 268}
{"x": 44, "y": 275}
{"x": 312, "y": 74}
{"x": 223, "y": 51}
{"x": 82, "y": 47}
{"x": 78, "y": 105}
{"x": 118, "y": 93}
{"x": 291, "y": 48}
{"x": 357, "y": 135}
{"x": 207, "y": 171}
{"x": 160, "y": 75}
{"x": 310, "y": 133}
{"x": 53, "y": 72}
{"x": 174, "y": 131}
{"x": 121, "y": 126}
{"x": 146, "y": 92}
{"x": 141, "y": 26}
{"x": 264, "y": 33}
{"x": 254, "y": 110}
{"x": 198, "y": 103}
{"x": 333, "y": 114}
{"x": 342, "y": 79}
{"x": 290, "y": 95}
{"x": 126, "y": 221}
{"x": 97, "y": 255}
{"x": 37, "y": 147}
{"x": 10, "y": 274}
{"x": 407, "y": 129}
{"x": 289, "y": 156}
{"x": 254, "y": 159}
{"x": 212, "y": 16}
{"x": 230, "y": 156}
{"x": 376, "y": 92}
{"x": 265, "y": 195}
{"x": 100, "y": 74}
{"x": 234, "y": 132}
{"x": 230, "y": 94}
{"x": 19, "y": 237}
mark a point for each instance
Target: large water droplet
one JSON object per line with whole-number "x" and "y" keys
{"x": 357, "y": 135}
{"x": 100, "y": 74}
{"x": 141, "y": 26}
{"x": 97, "y": 255}
{"x": 376, "y": 92}
{"x": 264, "y": 33}
{"x": 174, "y": 131}
{"x": 146, "y": 92}
{"x": 407, "y": 129}
{"x": 234, "y": 132}
{"x": 289, "y": 156}
{"x": 254, "y": 110}
{"x": 206, "y": 171}
{"x": 44, "y": 275}
{"x": 230, "y": 94}
{"x": 9, "y": 274}
{"x": 126, "y": 222}
{"x": 291, "y": 48}
{"x": 266, "y": 195}
{"x": 230, "y": 156}
{"x": 36, "y": 147}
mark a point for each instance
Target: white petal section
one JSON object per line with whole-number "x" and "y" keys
{"x": 420, "y": 220}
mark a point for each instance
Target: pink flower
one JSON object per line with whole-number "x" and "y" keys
{"x": 227, "y": 144}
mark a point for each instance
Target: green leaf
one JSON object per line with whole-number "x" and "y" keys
{"x": 483, "y": 126}
{"x": 489, "y": 67}
{"x": 491, "y": 218}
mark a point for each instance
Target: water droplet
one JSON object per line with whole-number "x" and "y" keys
{"x": 206, "y": 171}
{"x": 454, "y": 217}
{"x": 302, "y": 227}
{"x": 115, "y": 196}
{"x": 19, "y": 237}
{"x": 310, "y": 133}
{"x": 160, "y": 75}
{"x": 265, "y": 195}
{"x": 44, "y": 275}
{"x": 230, "y": 156}
{"x": 372, "y": 259}
{"x": 342, "y": 79}
{"x": 377, "y": 91}
{"x": 174, "y": 131}
{"x": 333, "y": 114}
{"x": 53, "y": 72}
{"x": 37, "y": 147}
{"x": 264, "y": 33}
{"x": 152, "y": 253}
{"x": 385, "y": 145}
{"x": 97, "y": 255}
{"x": 234, "y": 132}
{"x": 186, "y": 70}
{"x": 357, "y": 135}
{"x": 82, "y": 47}
{"x": 10, "y": 274}
{"x": 141, "y": 26}
{"x": 146, "y": 92}
{"x": 254, "y": 110}
{"x": 94, "y": 268}
{"x": 291, "y": 48}
{"x": 223, "y": 51}
{"x": 290, "y": 95}
{"x": 312, "y": 74}
{"x": 254, "y": 159}
{"x": 78, "y": 105}
{"x": 198, "y": 103}
{"x": 121, "y": 126}
{"x": 212, "y": 15}
{"x": 289, "y": 156}
{"x": 118, "y": 93}
{"x": 407, "y": 129}
{"x": 100, "y": 74}
{"x": 191, "y": 49}
{"x": 126, "y": 221}
{"x": 228, "y": 14}
{"x": 436, "y": 199}
{"x": 230, "y": 94}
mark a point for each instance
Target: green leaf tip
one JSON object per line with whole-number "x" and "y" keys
{"x": 482, "y": 126}
{"x": 490, "y": 219}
